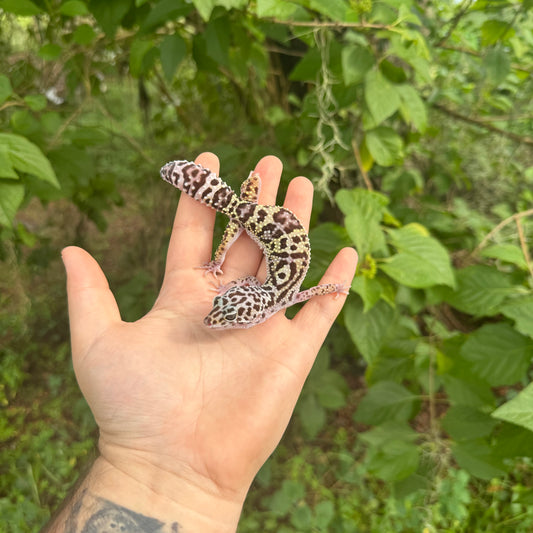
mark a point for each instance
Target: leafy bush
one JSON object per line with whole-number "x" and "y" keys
{"x": 414, "y": 121}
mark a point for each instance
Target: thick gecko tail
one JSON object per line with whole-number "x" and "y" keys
{"x": 201, "y": 184}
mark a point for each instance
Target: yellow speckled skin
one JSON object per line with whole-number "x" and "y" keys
{"x": 284, "y": 241}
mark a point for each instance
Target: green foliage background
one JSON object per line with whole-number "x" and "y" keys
{"x": 414, "y": 121}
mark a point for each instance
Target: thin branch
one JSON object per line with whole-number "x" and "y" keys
{"x": 475, "y": 53}
{"x": 482, "y": 124}
{"x": 359, "y": 161}
{"x": 501, "y": 225}
{"x": 455, "y": 21}
{"x": 523, "y": 245}
{"x": 332, "y": 24}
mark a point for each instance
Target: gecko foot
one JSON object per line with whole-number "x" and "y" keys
{"x": 341, "y": 288}
{"x": 211, "y": 267}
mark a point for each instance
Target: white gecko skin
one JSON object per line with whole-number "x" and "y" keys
{"x": 280, "y": 235}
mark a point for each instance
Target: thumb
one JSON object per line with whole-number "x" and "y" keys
{"x": 91, "y": 304}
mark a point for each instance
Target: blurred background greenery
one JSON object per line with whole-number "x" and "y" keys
{"x": 414, "y": 121}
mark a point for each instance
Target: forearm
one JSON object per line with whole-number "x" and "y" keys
{"x": 146, "y": 502}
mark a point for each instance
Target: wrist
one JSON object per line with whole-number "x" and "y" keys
{"x": 131, "y": 494}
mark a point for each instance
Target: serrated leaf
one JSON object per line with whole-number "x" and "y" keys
{"x": 83, "y": 34}
{"x": 395, "y": 461}
{"x": 497, "y": 65}
{"x": 49, "y": 51}
{"x": 173, "y": 51}
{"x": 36, "y": 102}
{"x": 364, "y": 212}
{"x": 6, "y": 165}
{"x": 499, "y": 354}
{"x": 163, "y": 11}
{"x": 204, "y": 7}
{"x": 5, "y": 88}
{"x": 368, "y": 330}
{"x": 311, "y": 414}
{"x": 493, "y": 31}
{"x": 23, "y": 8}
{"x": 480, "y": 290}
{"x": 381, "y": 96}
{"x": 384, "y": 145}
{"x": 333, "y": 9}
{"x": 278, "y": 9}
{"x": 11, "y": 196}
{"x": 356, "y": 62}
{"x": 308, "y": 67}
{"x": 421, "y": 260}
{"x": 521, "y": 311}
{"x": 287, "y": 496}
{"x": 508, "y": 253}
{"x": 109, "y": 14}
{"x": 385, "y": 401}
{"x": 138, "y": 49}
{"x": 412, "y": 107}
{"x": 73, "y": 8}
{"x": 463, "y": 422}
{"x": 476, "y": 457}
{"x": 519, "y": 410}
{"x": 27, "y": 157}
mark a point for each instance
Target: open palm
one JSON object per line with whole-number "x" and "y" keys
{"x": 207, "y": 406}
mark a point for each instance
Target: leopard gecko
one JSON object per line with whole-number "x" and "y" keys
{"x": 246, "y": 302}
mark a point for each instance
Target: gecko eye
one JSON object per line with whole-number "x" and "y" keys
{"x": 230, "y": 313}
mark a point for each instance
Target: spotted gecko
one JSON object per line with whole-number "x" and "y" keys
{"x": 246, "y": 302}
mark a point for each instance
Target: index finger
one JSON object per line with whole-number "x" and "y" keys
{"x": 192, "y": 232}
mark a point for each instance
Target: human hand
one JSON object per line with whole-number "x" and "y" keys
{"x": 170, "y": 395}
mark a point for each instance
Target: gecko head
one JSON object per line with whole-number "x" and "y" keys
{"x": 238, "y": 307}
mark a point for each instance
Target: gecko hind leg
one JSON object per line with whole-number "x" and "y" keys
{"x": 248, "y": 281}
{"x": 250, "y": 189}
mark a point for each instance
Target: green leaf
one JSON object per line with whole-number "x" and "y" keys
{"x": 83, "y": 34}
{"x": 498, "y": 354}
{"x": 36, "y": 102}
{"x": 519, "y": 410}
{"x": 412, "y": 107}
{"x": 521, "y": 311}
{"x": 312, "y": 415}
{"x": 421, "y": 260}
{"x": 49, "y": 51}
{"x": 333, "y": 9}
{"x": 480, "y": 290}
{"x": 324, "y": 514}
{"x": 204, "y": 7}
{"x": 369, "y": 330}
{"x": 369, "y": 289}
{"x": 463, "y": 422}
{"x": 23, "y": 8}
{"x": 279, "y": 9}
{"x": 5, "y": 88}
{"x": 385, "y": 401}
{"x": 508, "y": 253}
{"x": 392, "y": 454}
{"x": 163, "y": 11}
{"x": 364, "y": 212}
{"x": 11, "y": 196}
{"x": 302, "y": 518}
{"x": 381, "y": 96}
{"x": 356, "y": 62}
{"x": 477, "y": 458}
{"x": 384, "y": 145}
{"x": 27, "y": 157}
{"x": 286, "y": 497}
{"x": 109, "y": 14}
{"x": 308, "y": 67}
{"x": 497, "y": 65}
{"x": 173, "y": 51}
{"x": 493, "y": 31}
{"x": 6, "y": 165}
{"x": 138, "y": 50}
{"x": 74, "y": 8}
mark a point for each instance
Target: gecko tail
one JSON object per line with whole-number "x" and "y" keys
{"x": 201, "y": 184}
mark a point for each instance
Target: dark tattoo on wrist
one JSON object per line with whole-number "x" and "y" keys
{"x": 97, "y": 515}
